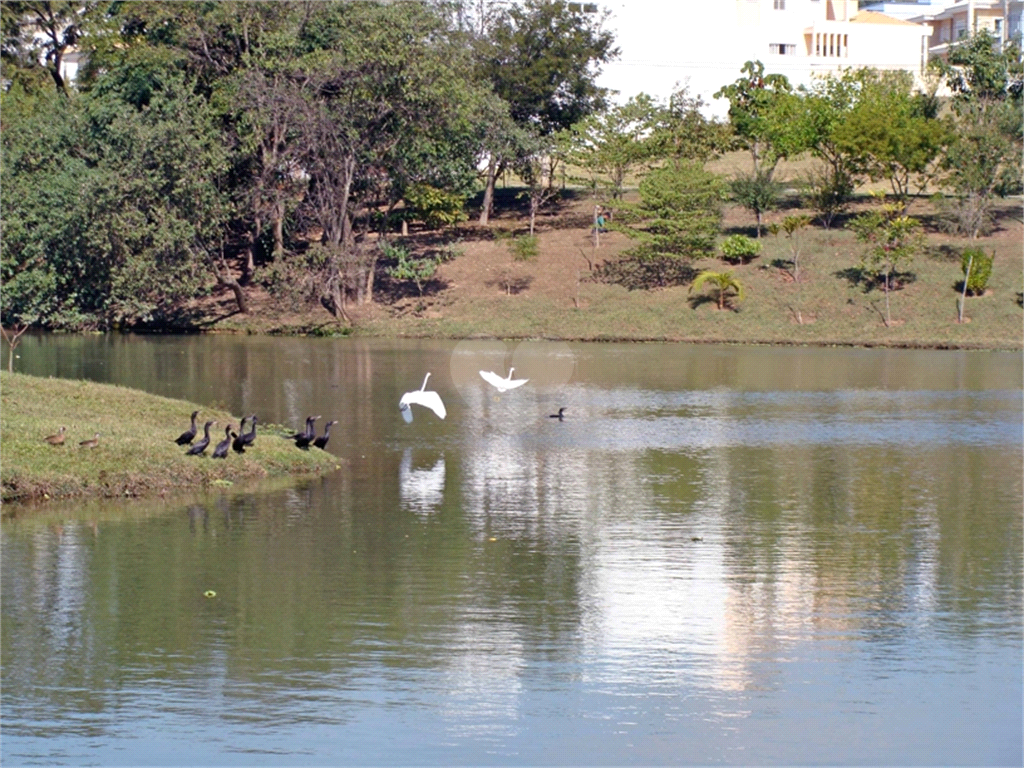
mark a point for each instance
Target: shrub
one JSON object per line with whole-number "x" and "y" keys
{"x": 827, "y": 193}
{"x": 435, "y": 207}
{"x": 981, "y": 269}
{"x": 524, "y": 247}
{"x": 407, "y": 268}
{"x": 756, "y": 192}
{"x": 739, "y": 249}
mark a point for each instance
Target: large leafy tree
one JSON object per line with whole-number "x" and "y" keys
{"x": 542, "y": 57}
{"x": 983, "y": 160}
{"x": 762, "y": 110}
{"x": 891, "y": 133}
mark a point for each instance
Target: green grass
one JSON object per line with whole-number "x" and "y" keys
{"x": 136, "y": 456}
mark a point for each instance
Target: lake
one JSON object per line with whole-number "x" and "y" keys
{"x": 723, "y": 555}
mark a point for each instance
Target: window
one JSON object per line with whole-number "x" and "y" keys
{"x": 997, "y": 25}
{"x": 782, "y": 49}
{"x": 780, "y": 5}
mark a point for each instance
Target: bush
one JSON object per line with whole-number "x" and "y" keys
{"x": 407, "y": 268}
{"x": 827, "y": 193}
{"x": 435, "y": 207}
{"x": 739, "y": 249}
{"x": 524, "y": 248}
{"x": 981, "y": 269}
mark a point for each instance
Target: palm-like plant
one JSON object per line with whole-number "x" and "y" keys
{"x": 724, "y": 286}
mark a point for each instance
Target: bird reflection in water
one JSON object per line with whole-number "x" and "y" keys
{"x": 421, "y": 490}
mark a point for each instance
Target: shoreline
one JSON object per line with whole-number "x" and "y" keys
{"x": 137, "y": 456}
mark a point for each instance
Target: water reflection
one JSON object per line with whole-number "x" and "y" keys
{"x": 420, "y": 490}
{"x": 697, "y": 565}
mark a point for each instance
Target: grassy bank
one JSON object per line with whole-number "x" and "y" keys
{"x": 484, "y": 291}
{"x": 136, "y": 455}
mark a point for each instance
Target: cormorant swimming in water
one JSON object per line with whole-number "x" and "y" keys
{"x": 560, "y": 415}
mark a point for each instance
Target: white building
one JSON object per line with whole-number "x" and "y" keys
{"x": 1003, "y": 19}
{"x": 704, "y": 44}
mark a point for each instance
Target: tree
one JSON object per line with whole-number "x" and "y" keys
{"x": 757, "y": 192}
{"x": 683, "y": 132}
{"x": 984, "y": 157}
{"x": 676, "y": 220}
{"x": 614, "y": 142}
{"x": 535, "y": 166}
{"x": 762, "y": 110}
{"x": 724, "y": 286}
{"x": 542, "y": 58}
{"x": 44, "y": 31}
{"x": 791, "y": 226}
{"x": 891, "y": 132}
{"x": 893, "y": 239}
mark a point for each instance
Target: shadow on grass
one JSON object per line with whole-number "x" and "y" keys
{"x": 511, "y": 284}
{"x": 637, "y": 273}
{"x": 859, "y": 277}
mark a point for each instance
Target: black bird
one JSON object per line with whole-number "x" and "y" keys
{"x": 560, "y": 415}
{"x": 199, "y": 447}
{"x": 238, "y": 444}
{"x": 221, "y": 451}
{"x": 308, "y": 431}
{"x": 321, "y": 442}
{"x": 303, "y": 440}
{"x": 249, "y": 437}
{"x": 186, "y": 438}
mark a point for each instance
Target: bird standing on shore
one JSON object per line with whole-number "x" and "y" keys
{"x": 321, "y": 442}
{"x": 249, "y": 437}
{"x": 186, "y": 437}
{"x": 57, "y": 439}
{"x": 221, "y": 451}
{"x": 238, "y": 443}
{"x": 303, "y": 440}
{"x": 199, "y": 447}
{"x": 91, "y": 443}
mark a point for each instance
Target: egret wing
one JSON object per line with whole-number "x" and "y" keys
{"x": 515, "y": 383}
{"x": 432, "y": 400}
{"x": 494, "y": 379}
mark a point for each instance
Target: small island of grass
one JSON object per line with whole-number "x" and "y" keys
{"x": 136, "y": 454}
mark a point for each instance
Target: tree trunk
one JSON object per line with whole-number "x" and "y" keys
{"x": 492, "y": 174}
{"x": 278, "y": 230}
{"x": 888, "y": 320}
{"x": 757, "y": 214}
{"x": 371, "y": 269}
{"x": 533, "y": 213}
{"x": 249, "y": 266}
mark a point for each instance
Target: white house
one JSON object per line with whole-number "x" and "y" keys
{"x": 704, "y": 44}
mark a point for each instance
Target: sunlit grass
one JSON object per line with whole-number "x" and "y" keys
{"x": 136, "y": 455}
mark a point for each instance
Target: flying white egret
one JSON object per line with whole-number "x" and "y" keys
{"x": 420, "y": 396}
{"x": 502, "y": 385}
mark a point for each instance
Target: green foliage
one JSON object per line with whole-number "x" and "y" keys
{"x": 543, "y": 60}
{"x": 435, "y": 207}
{"x": 984, "y": 158}
{"x": 725, "y": 288}
{"x": 762, "y": 110}
{"x": 827, "y": 192}
{"x": 740, "y": 249}
{"x": 893, "y": 239}
{"x": 612, "y": 143}
{"x": 679, "y": 212}
{"x": 890, "y": 133}
{"x": 757, "y": 192}
{"x": 407, "y": 267}
{"x": 980, "y": 264}
{"x": 524, "y": 247}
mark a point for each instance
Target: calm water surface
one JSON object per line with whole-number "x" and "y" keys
{"x": 724, "y": 555}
